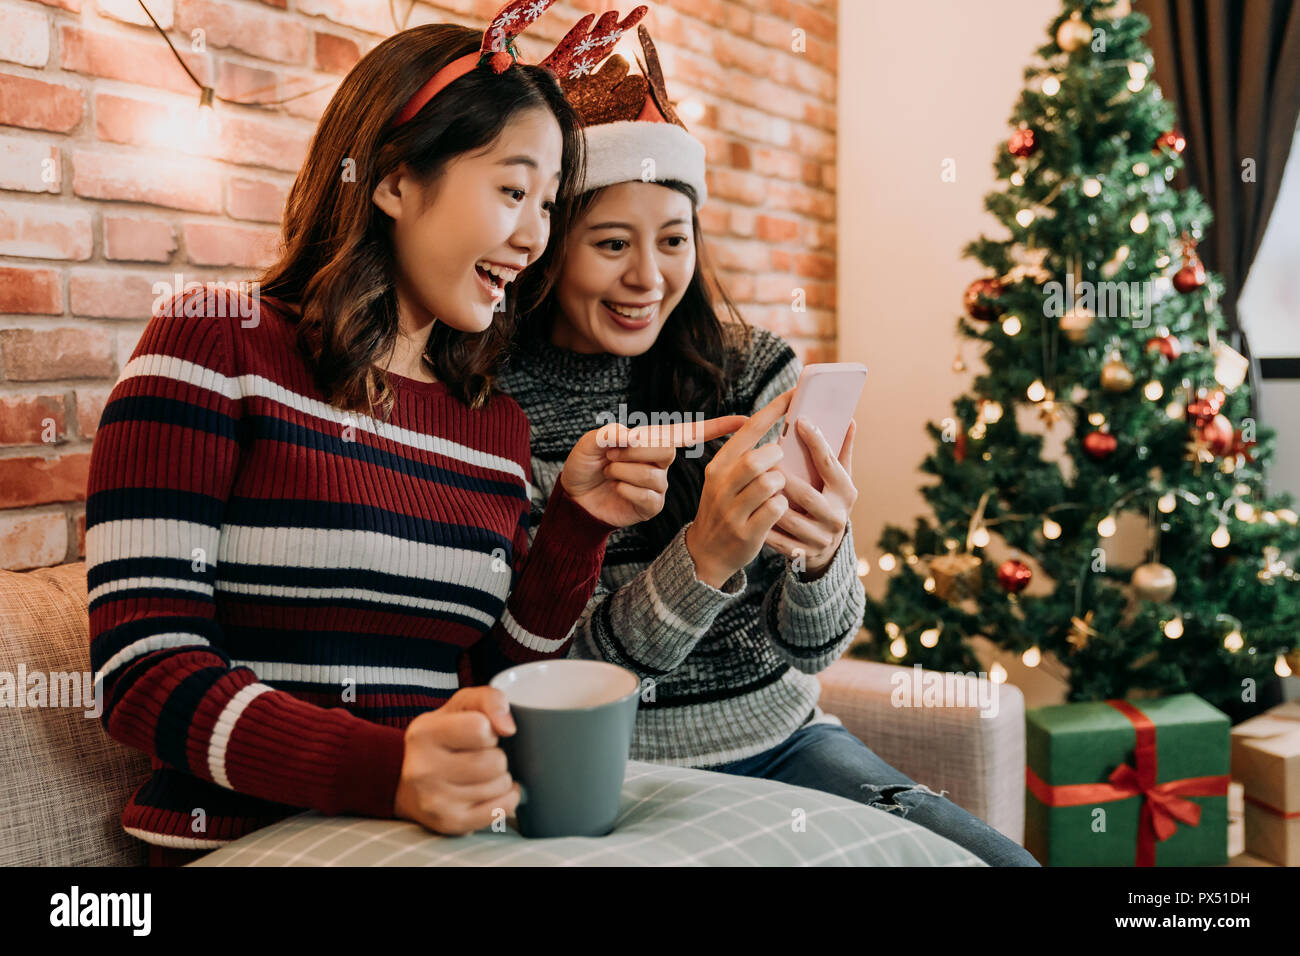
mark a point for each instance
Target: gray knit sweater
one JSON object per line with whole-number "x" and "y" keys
{"x": 732, "y": 668}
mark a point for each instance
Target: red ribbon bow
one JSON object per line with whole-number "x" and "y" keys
{"x": 1162, "y": 804}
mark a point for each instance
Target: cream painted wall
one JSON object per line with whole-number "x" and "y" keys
{"x": 919, "y": 82}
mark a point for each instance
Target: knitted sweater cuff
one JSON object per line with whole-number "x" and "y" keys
{"x": 828, "y": 604}
{"x": 674, "y": 578}
{"x": 580, "y": 528}
{"x": 369, "y": 771}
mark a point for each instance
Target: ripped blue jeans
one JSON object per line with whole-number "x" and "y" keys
{"x": 827, "y": 757}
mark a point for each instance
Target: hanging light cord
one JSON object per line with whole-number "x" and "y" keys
{"x": 202, "y": 87}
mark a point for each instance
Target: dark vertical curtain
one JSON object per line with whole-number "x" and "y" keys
{"x": 1232, "y": 70}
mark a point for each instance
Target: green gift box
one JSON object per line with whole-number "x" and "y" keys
{"x": 1127, "y": 783}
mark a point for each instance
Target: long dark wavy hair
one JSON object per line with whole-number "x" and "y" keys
{"x": 338, "y": 270}
{"x": 689, "y": 368}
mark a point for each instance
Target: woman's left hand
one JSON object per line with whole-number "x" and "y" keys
{"x": 816, "y": 533}
{"x": 619, "y": 475}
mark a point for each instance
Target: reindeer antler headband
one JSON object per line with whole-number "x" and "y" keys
{"x": 632, "y": 132}
{"x": 498, "y": 51}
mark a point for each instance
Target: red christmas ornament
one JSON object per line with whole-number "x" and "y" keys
{"x": 1022, "y": 143}
{"x": 1014, "y": 575}
{"x": 1217, "y": 433}
{"x": 1166, "y": 344}
{"x": 1191, "y": 276}
{"x": 1099, "y": 445}
{"x": 1206, "y": 406}
{"x": 975, "y": 299}
{"x": 1173, "y": 140}
{"x": 959, "y": 451}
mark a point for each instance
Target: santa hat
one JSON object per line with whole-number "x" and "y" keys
{"x": 632, "y": 132}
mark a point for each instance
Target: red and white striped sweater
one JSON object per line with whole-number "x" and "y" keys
{"x": 278, "y": 587}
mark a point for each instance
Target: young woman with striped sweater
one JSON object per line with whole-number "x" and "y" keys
{"x": 307, "y": 515}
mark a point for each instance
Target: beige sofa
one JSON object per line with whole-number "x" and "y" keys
{"x": 64, "y": 781}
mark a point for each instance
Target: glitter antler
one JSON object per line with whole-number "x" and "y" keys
{"x": 510, "y": 21}
{"x": 654, "y": 75}
{"x": 579, "y": 52}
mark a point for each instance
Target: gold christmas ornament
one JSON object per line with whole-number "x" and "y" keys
{"x": 1198, "y": 451}
{"x": 1115, "y": 375}
{"x": 1049, "y": 413}
{"x": 1074, "y": 33}
{"x": 1081, "y": 631}
{"x": 1230, "y": 366}
{"x": 1154, "y": 582}
{"x": 1076, "y": 323}
{"x": 956, "y": 576}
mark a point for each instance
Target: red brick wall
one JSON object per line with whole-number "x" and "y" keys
{"x": 91, "y": 215}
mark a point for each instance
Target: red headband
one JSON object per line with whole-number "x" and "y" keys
{"x": 499, "y": 52}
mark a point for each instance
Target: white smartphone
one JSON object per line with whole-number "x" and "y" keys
{"x": 827, "y": 395}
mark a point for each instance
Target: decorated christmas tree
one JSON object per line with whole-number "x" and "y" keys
{"x": 1100, "y": 331}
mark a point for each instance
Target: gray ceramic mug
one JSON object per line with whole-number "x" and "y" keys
{"x": 574, "y": 721}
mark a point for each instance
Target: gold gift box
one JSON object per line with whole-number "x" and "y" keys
{"x": 1266, "y": 761}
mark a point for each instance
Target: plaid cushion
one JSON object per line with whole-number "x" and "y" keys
{"x": 671, "y": 816}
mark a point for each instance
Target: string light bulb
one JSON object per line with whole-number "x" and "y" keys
{"x": 1174, "y": 629}
{"x": 992, "y": 412}
{"x": 887, "y": 562}
{"x": 980, "y": 538}
{"x": 1167, "y": 502}
{"x": 1032, "y": 657}
{"x": 1139, "y": 223}
{"x": 1037, "y": 391}
{"x": 1280, "y": 667}
{"x": 1220, "y": 538}
{"x": 1025, "y": 217}
{"x": 864, "y": 566}
{"x": 898, "y": 647}
{"x": 1106, "y": 526}
{"x": 998, "y": 673}
{"x": 1011, "y": 324}
{"x": 929, "y": 584}
{"x": 1091, "y": 187}
{"x": 1051, "y": 530}
{"x": 1234, "y": 640}
{"x": 1153, "y": 390}
{"x": 930, "y": 637}
{"x": 1051, "y": 86}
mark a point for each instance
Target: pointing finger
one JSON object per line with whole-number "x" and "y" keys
{"x": 759, "y": 424}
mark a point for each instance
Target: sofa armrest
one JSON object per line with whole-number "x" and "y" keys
{"x": 976, "y": 761}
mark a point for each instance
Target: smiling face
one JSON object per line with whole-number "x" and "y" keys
{"x": 628, "y": 262}
{"x": 464, "y": 237}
